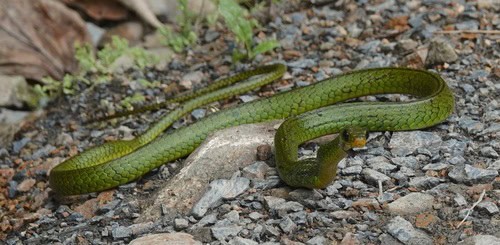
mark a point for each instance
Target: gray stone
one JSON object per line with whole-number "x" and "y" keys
{"x": 180, "y": 224}
{"x": 95, "y": 32}
{"x": 120, "y": 232}
{"x": 128, "y": 186}
{"x": 142, "y": 228}
{"x": 488, "y": 151}
{"x": 211, "y": 35}
{"x": 108, "y": 207}
{"x": 218, "y": 190}
{"x": 387, "y": 239}
{"x": 26, "y": 185}
{"x": 225, "y": 232}
{"x": 470, "y": 125}
{"x": 255, "y": 215}
{"x": 287, "y": 225}
{"x": 454, "y": 147}
{"x": 436, "y": 166}
{"x": 479, "y": 74}
{"x": 242, "y": 241}
{"x": 290, "y": 206}
{"x": 218, "y": 157}
{"x": 405, "y": 143}
{"x": 298, "y": 18}
{"x": 411, "y": 204}
{"x": 78, "y": 217}
{"x": 272, "y": 202}
{"x": 403, "y": 230}
{"x": 233, "y": 216}
{"x": 235, "y": 186}
{"x": 424, "y": 152}
{"x": 122, "y": 63}
{"x": 494, "y": 128}
{"x": 409, "y": 162}
{"x": 471, "y": 175}
{"x": 407, "y": 44}
{"x": 16, "y": 92}
{"x": 467, "y": 25}
{"x": 440, "y": 51}
{"x": 460, "y": 200}
{"x": 388, "y": 47}
{"x": 4, "y": 153}
{"x": 381, "y": 164}
{"x": 416, "y": 20}
{"x": 206, "y": 220}
{"x": 191, "y": 79}
{"x": 343, "y": 214}
{"x": 268, "y": 183}
{"x": 469, "y": 89}
{"x": 428, "y": 31}
{"x": 359, "y": 185}
{"x": 255, "y": 171}
{"x": 354, "y": 30}
{"x": 356, "y": 169}
{"x": 385, "y": 197}
{"x": 458, "y": 160}
{"x": 272, "y": 231}
{"x": 369, "y": 47}
{"x": 199, "y": 113}
{"x": 19, "y": 144}
{"x": 494, "y": 165}
{"x": 43, "y": 152}
{"x": 287, "y": 43}
{"x": 373, "y": 177}
{"x": 302, "y": 63}
{"x": 424, "y": 182}
{"x": 301, "y": 194}
{"x": 480, "y": 240}
{"x": 317, "y": 240}
{"x": 247, "y": 98}
{"x": 10, "y": 123}
{"x": 166, "y": 238}
{"x": 488, "y": 206}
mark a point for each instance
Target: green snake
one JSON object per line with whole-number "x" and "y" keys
{"x": 310, "y": 112}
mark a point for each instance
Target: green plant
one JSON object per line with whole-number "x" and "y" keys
{"x": 52, "y": 87}
{"x": 116, "y": 49}
{"x": 129, "y": 101}
{"x": 147, "y": 84}
{"x": 186, "y": 35}
{"x": 97, "y": 65}
{"x": 237, "y": 20}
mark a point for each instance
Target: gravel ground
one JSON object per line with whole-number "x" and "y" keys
{"x": 408, "y": 187}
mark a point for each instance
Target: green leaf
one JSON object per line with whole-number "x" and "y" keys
{"x": 235, "y": 18}
{"x": 237, "y": 56}
{"x": 265, "y": 46}
{"x": 128, "y": 101}
{"x": 85, "y": 56}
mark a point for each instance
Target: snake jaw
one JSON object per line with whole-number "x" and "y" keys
{"x": 354, "y": 137}
{"x": 359, "y": 142}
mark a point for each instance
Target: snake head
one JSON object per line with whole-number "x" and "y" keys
{"x": 354, "y": 137}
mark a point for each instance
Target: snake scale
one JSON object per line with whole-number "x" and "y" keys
{"x": 310, "y": 112}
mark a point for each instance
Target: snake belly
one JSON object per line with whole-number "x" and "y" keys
{"x": 311, "y": 114}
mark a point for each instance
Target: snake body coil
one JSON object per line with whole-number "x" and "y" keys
{"x": 119, "y": 162}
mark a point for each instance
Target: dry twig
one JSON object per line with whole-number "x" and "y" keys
{"x": 472, "y": 208}
{"x": 380, "y": 190}
{"x": 487, "y": 32}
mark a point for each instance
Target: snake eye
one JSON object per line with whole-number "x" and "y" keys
{"x": 345, "y": 135}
